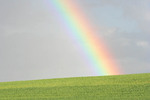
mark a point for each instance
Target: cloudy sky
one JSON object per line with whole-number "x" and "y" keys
{"x": 33, "y": 44}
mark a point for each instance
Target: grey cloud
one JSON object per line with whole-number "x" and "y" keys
{"x": 33, "y": 44}
{"x": 29, "y": 56}
{"x": 130, "y": 48}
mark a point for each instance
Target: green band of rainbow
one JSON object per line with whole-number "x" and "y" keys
{"x": 76, "y": 24}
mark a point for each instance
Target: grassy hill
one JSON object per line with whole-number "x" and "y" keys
{"x": 121, "y": 87}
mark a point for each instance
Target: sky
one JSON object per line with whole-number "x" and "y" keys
{"x": 33, "y": 44}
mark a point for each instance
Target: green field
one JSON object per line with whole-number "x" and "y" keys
{"x": 119, "y": 87}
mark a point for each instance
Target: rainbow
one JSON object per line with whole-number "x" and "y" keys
{"x": 79, "y": 27}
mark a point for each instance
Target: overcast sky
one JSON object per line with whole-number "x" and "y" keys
{"x": 33, "y": 45}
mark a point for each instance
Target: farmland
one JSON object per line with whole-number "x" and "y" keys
{"x": 117, "y": 87}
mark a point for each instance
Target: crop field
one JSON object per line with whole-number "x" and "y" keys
{"x": 119, "y": 87}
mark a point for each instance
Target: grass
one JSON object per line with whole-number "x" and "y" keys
{"x": 120, "y": 87}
